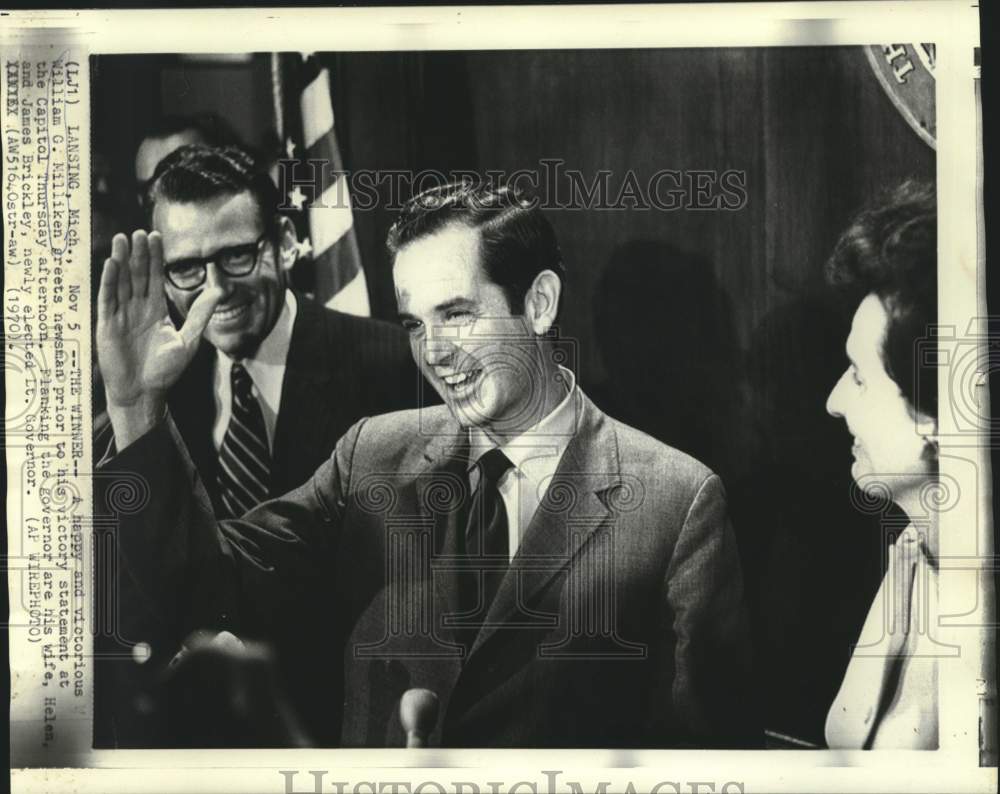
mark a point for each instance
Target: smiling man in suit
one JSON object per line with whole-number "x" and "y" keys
{"x": 309, "y": 372}
{"x": 275, "y": 378}
{"x": 556, "y": 578}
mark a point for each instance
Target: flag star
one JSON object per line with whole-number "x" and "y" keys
{"x": 297, "y": 198}
{"x": 290, "y": 148}
{"x": 304, "y": 247}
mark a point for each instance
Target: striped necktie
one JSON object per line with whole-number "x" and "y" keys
{"x": 244, "y": 458}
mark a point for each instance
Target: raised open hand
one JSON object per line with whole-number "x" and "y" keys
{"x": 141, "y": 354}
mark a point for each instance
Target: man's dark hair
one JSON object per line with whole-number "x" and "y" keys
{"x": 890, "y": 249}
{"x": 516, "y": 241}
{"x": 198, "y": 172}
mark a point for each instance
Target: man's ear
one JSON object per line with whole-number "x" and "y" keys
{"x": 541, "y": 302}
{"x": 288, "y": 243}
{"x": 928, "y": 428}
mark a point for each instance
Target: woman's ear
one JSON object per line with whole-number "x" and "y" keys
{"x": 288, "y": 243}
{"x": 541, "y": 302}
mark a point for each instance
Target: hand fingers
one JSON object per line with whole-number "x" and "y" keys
{"x": 138, "y": 263}
{"x": 157, "y": 275}
{"x": 107, "y": 294}
{"x": 140, "y": 269}
{"x": 119, "y": 249}
{"x": 200, "y": 313}
{"x": 120, "y": 253}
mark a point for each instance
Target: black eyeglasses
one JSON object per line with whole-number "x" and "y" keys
{"x": 236, "y": 261}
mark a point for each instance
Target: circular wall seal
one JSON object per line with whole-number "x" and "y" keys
{"x": 906, "y": 72}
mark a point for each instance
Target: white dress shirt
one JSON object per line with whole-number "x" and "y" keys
{"x": 535, "y": 455}
{"x": 267, "y": 371}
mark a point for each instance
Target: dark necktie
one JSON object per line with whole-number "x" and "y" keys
{"x": 486, "y": 533}
{"x": 244, "y": 458}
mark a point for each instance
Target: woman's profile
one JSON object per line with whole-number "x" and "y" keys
{"x": 888, "y": 400}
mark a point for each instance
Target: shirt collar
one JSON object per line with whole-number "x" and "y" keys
{"x": 267, "y": 365}
{"x": 553, "y": 432}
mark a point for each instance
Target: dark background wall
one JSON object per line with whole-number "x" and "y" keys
{"x": 711, "y": 330}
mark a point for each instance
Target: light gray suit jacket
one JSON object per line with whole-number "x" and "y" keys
{"x": 620, "y": 623}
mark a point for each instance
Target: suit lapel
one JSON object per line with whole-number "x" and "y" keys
{"x": 192, "y": 405}
{"x": 443, "y": 496}
{"x": 573, "y": 509}
{"x": 305, "y": 409}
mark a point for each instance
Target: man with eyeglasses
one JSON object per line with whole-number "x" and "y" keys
{"x": 274, "y": 379}
{"x": 277, "y": 379}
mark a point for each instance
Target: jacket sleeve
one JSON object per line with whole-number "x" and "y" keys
{"x": 179, "y": 569}
{"x": 711, "y": 689}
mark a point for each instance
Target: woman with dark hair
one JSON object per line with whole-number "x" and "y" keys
{"x": 888, "y": 399}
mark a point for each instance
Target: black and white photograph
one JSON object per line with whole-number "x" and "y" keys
{"x": 455, "y": 397}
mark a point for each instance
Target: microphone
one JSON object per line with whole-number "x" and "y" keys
{"x": 418, "y": 711}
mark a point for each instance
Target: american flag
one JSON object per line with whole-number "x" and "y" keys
{"x": 304, "y": 119}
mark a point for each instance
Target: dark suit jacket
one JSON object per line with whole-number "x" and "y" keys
{"x": 339, "y": 369}
{"x": 620, "y": 623}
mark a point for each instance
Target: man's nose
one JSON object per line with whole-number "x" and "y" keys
{"x": 833, "y": 402}
{"x": 438, "y": 350}
{"x": 216, "y": 277}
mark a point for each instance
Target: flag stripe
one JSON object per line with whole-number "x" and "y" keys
{"x": 353, "y": 298}
{"x": 327, "y": 150}
{"x": 317, "y": 109}
{"x": 338, "y": 268}
{"x": 336, "y": 255}
{"x": 331, "y": 221}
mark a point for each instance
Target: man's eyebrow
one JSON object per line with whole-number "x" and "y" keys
{"x": 454, "y": 303}
{"x": 209, "y": 257}
{"x": 441, "y": 308}
{"x": 179, "y": 259}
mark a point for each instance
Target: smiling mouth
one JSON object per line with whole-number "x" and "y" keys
{"x": 228, "y": 315}
{"x": 461, "y": 382}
